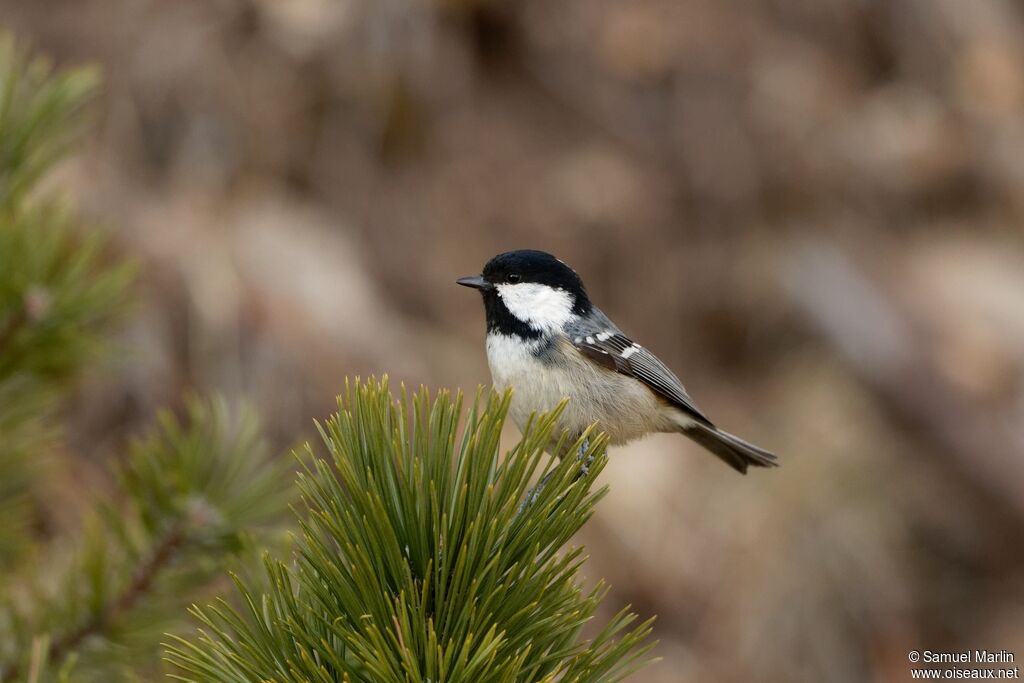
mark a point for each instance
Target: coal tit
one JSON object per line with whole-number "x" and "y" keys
{"x": 547, "y": 341}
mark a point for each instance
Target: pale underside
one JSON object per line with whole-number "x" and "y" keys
{"x": 625, "y": 407}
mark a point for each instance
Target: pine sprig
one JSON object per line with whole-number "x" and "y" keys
{"x": 58, "y": 290}
{"x": 24, "y": 435}
{"x": 58, "y": 293}
{"x": 41, "y": 116}
{"x": 196, "y": 492}
{"x": 416, "y": 563}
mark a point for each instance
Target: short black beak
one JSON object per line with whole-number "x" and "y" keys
{"x": 474, "y": 281}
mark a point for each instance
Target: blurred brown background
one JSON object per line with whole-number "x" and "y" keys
{"x": 813, "y": 211}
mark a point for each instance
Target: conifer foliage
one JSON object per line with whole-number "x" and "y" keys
{"x": 418, "y": 562}
{"x": 191, "y": 496}
{"x": 56, "y": 298}
{"x": 93, "y": 603}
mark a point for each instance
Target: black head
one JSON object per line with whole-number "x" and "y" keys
{"x": 525, "y": 266}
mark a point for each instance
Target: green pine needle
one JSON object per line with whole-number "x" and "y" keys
{"x": 59, "y": 288}
{"x": 41, "y": 116}
{"x": 196, "y": 496}
{"x": 415, "y": 563}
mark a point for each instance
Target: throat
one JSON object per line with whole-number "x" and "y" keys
{"x": 512, "y": 358}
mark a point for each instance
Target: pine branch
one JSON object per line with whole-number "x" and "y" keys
{"x": 9, "y": 327}
{"x": 191, "y": 496}
{"x": 144, "y": 576}
{"x": 195, "y": 492}
{"x": 416, "y": 563}
{"x": 58, "y": 291}
{"x": 41, "y": 117}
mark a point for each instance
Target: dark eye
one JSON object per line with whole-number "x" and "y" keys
{"x": 514, "y": 278}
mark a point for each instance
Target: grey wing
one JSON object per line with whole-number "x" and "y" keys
{"x": 599, "y": 340}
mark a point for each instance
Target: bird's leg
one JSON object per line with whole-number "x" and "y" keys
{"x": 531, "y": 495}
{"x": 581, "y": 455}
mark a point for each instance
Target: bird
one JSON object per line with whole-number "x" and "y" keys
{"x": 548, "y": 342}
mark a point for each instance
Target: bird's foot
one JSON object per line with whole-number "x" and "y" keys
{"x": 587, "y": 459}
{"x": 532, "y": 494}
{"x": 585, "y": 462}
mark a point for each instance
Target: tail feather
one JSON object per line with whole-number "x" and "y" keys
{"x": 736, "y": 452}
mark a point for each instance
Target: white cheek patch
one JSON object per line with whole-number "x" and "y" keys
{"x": 543, "y": 308}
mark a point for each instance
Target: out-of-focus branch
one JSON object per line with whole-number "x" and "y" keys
{"x": 58, "y": 648}
{"x": 880, "y": 344}
{"x": 193, "y": 493}
{"x": 10, "y": 327}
